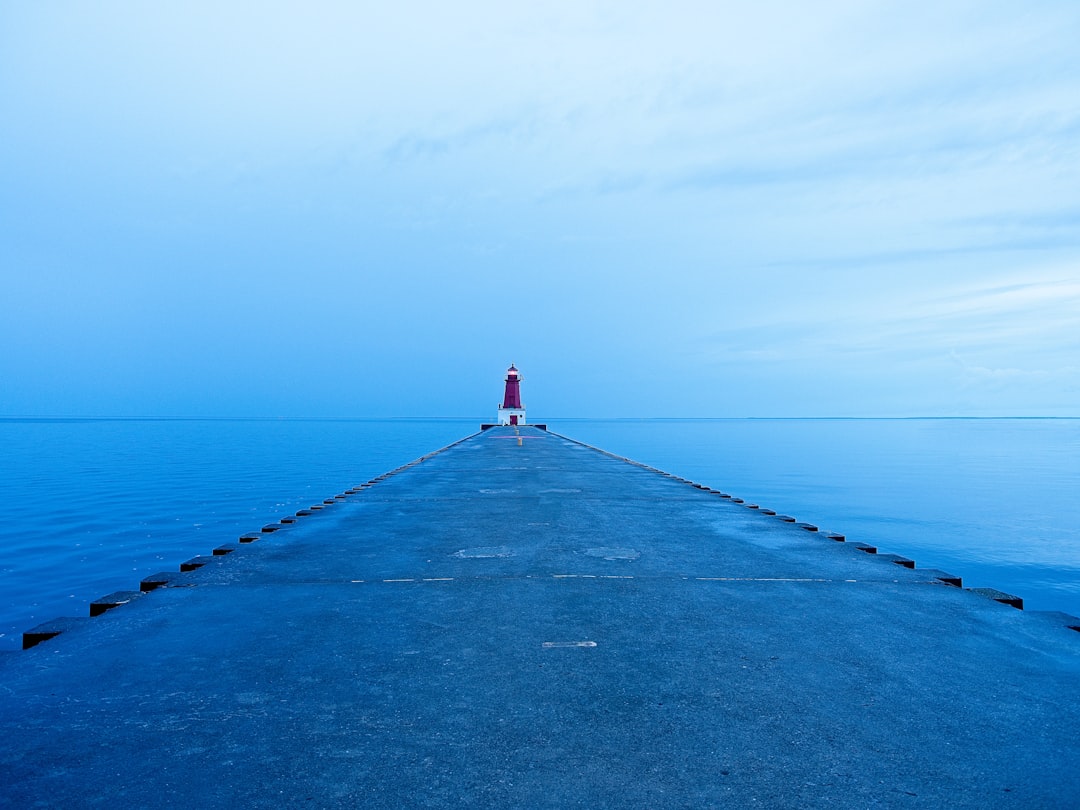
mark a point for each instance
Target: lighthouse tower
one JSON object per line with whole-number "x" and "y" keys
{"x": 512, "y": 412}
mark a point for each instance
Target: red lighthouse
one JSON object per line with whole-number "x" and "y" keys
{"x": 512, "y": 412}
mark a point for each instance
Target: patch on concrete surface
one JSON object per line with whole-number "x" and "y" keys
{"x": 484, "y": 552}
{"x": 613, "y": 553}
{"x": 496, "y": 491}
{"x": 558, "y": 491}
{"x": 548, "y": 645}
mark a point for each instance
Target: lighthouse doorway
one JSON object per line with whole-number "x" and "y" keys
{"x": 513, "y": 419}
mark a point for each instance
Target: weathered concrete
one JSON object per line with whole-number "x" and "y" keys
{"x": 541, "y": 625}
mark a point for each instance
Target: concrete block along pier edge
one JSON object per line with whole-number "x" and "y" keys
{"x": 520, "y": 620}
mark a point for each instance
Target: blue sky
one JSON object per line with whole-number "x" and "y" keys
{"x": 704, "y": 209}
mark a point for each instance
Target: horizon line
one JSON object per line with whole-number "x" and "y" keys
{"x": 255, "y": 418}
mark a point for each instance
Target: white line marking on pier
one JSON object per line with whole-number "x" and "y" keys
{"x": 399, "y": 580}
{"x": 439, "y": 579}
{"x": 553, "y": 644}
{"x": 356, "y": 580}
{"x": 761, "y": 579}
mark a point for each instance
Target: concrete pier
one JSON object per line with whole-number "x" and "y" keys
{"x": 522, "y": 621}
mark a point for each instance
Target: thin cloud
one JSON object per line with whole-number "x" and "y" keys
{"x": 1037, "y": 320}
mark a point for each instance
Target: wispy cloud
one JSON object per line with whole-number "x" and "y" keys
{"x": 425, "y": 145}
{"x": 1038, "y": 321}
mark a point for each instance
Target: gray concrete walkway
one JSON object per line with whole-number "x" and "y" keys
{"x": 521, "y": 621}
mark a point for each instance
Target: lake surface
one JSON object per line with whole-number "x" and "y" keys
{"x": 92, "y": 506}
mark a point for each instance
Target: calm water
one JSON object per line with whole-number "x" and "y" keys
{"x": 92, "y": 506}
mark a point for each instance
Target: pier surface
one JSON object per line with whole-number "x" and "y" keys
{"x": 523, "y": 621}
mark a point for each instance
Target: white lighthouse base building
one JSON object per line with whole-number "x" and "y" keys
{"x": 511, "y": 416}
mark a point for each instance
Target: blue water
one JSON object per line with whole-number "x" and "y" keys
{"x": 93, "y": 506}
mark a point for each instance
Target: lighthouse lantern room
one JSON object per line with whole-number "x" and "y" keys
{"x": 512, "y": 412}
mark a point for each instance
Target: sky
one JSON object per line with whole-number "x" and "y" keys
{"x": 686, "y": 209}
